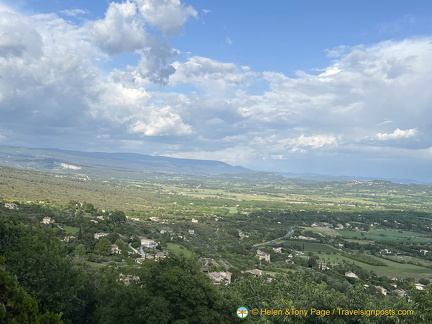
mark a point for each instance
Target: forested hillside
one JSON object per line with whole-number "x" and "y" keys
{"x": 196, "y": 251}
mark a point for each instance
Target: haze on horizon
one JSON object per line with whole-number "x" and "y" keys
{"x": 337, "y": 88}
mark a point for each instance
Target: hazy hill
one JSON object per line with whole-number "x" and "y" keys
{"x": 120, "y": 165}
{"x": 106, "y": 164}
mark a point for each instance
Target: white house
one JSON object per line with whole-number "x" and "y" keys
{"x": 350, "y": 274}
{"x": 382, "y": 290}
{"x": 419, "y": 286}
{"x": 160, "y": 256}
{"x": 115, "y": 249}
{"x": 47, "y": 220}
{"x": 262, "y": 255}
{"x": 148, "y": 243}
{"x": 97, "y": 236}
{"x": 11, "y": 206}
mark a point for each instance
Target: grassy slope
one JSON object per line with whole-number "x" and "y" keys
{"x": 387, "y": 235}
{"x": 393, "y": 269}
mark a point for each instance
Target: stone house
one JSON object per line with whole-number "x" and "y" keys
{"x": 263, "y": 256}
{"x": 148, "y": 243}
{"x": 115, "y": 249}
{"x": 255, "y": 272}
{"x": 220, "y": 278}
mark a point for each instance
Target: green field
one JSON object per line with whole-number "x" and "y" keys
{"x": 232, "y": 210}
{"x": 360, "y": 241}
{"x": 71, "y": 230}
{"x": 413, "y": 260}
{"x": 309, "y": 246}
{"x": 176, "y": 248}
{"x": 323, "y": 230}
{"x": 393, "y": 269}
{"x": 386, "y": 235}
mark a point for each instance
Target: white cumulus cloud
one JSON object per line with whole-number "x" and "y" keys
{"x": 161, "y": 122}
{"x": 18, "y": 37}
{"x": 167, "y": 15}
{"x": 121, "y": 30}
{"x": 211, "y": 75}
{"x": 397, "y": 134}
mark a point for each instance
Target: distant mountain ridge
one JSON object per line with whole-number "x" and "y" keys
{"x": 49, "y": 159}
{"x": 105, "y": 165}
{"x": 326, "y": 178}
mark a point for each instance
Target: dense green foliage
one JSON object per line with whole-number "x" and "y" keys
{"x": 17, "y": 307}
{"x": 170, "y": 291}
{"x": 65, "y": 269}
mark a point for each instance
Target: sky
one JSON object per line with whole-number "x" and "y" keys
{"x": 330, "y": 87}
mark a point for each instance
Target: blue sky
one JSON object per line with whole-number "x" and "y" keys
{"x": 331, "y": 87}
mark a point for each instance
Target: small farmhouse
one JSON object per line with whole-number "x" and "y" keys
{"x": 115, "y": 249}
{"x": 263, "y": 256}
{"x": 97, "y": 236}
{"x": 11, "y": 206}
{"x": 47, "y": 220}
{"x": 148, "y": 243}
{"x": 220, "y": 278}
{"x": 255, "y": 272}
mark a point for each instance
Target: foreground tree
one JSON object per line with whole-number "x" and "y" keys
{"x": 172, "y": 290}
{"x": 43, "y": 268}
{"x": 103, "y": 246}
{"x": 16, "y": 306}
